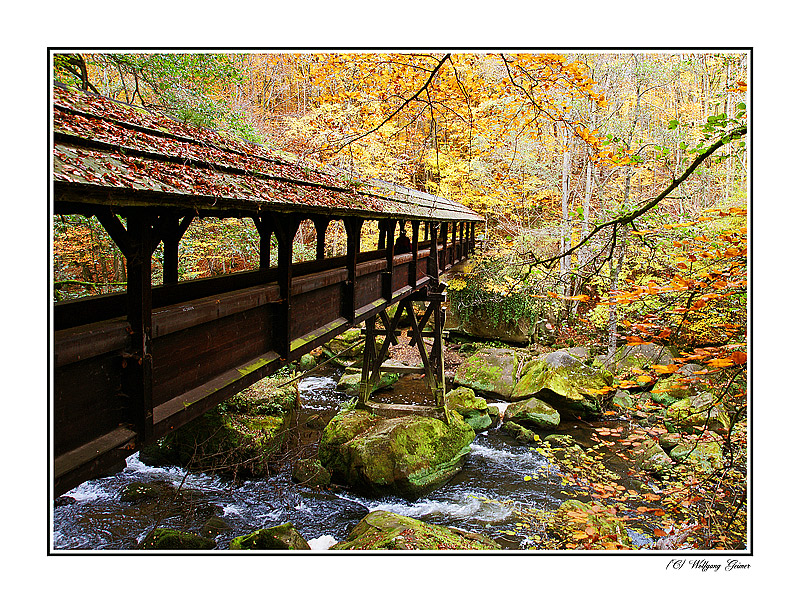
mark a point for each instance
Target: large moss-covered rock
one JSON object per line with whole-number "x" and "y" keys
{"x": 635, "y": 357}
{"x": 564, "y": 382}
{"x": 472, "y": 408}
{"x": 650, "y": 457}
{"x": 678, "y": 386}
{"x": 382, "y": 530}
{"x": 702, "y": 456}
{"x": 593, "y": 525}
{"x": 165, "y": 539}
{"x": 407, "y": 455}
{"x": 695, "y": 413}
{"x": 490, "y": 371}
{"x": 239, "y": 436}
{"x": 481, "y": 325}
{"x": 533, "y": 412}
{"x": 310, "y": 472}
{"x": 522, "y": 434}
{"x": 283, "y": 537}
{"x": 138, "y": 491}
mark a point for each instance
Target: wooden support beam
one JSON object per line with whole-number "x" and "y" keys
{"x": 386, "y": 322}
{"x": 321, "y": 227}
{"x": 472, "y": 237}
{"x": 437, "y": 356}
{"x": 138, "y": 360}
{"x": 381, "y": 236}
{"x": 171, "y": 228}
{"x": 285, "y": 230}
{"x": 265, "y": 228}
{"x": 453, "y": 256}
{"x": 365, "y": 388}
{"x": 115, "y": 229}
{"x": 433, "y": 258}
{"x": 352, "y": 228}
{"x": 412, "y": 268}
{"x": 386, "y": 286}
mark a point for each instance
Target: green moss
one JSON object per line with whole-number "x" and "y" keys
{"x": 472, "y": 408}
{"x": 404, "y": 455}
{"x": 490, "y": 371}
{"x": 533, "y": 412}
{"x": 283, "y": 537}
{"x": 382, "y": 530}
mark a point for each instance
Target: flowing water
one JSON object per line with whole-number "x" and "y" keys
{"x": 495, "y": 471}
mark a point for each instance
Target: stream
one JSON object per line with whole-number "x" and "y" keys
{"x": 92, "y": 516}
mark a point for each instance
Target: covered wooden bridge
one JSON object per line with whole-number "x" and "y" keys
{"x": 131, "y": 366}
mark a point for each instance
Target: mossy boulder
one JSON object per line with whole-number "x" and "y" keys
{"x": 238, "y": 437}
{"x": 407, "y": 455}
{"x": 350, "y": 381}
{"x": 560, "y": 440}
{"x": 214, "y": 526}
{"x": 533, "y": 412}
{"x": 628, "y": 359}
{"x": 383, "y": 530}
{"x": 306, "y": 362}
{"x": 564, "y": 382}
{"x": 472, "y": 408}
{"x": 490, "y": 371}
{"x": 648, "y": 456}
{"x": 668, "y": 441}
{"x": 480, "y": 324}
{"x": 704, "y": 456}
{"x": 678, "y": 386}
{"x": 522, "y": 434}
{"x": 310, "y": 472}
{"x": 283, "y": 538}
{"x": 695, "y": 413}
{"x": 138, "y": 491}
{"x": 593, "y": 525}
{"x": 165, "y": 539}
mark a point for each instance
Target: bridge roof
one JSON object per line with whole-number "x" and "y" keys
{"x": 110, "y": 153}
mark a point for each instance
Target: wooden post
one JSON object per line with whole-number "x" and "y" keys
{"x": 173, "y": 229}
{"x": 139, "y": 360}
{"x": 381, "y": 235}
{"x": 443, "y": 259}
{"x": 453, "y": 258}
{"x": 433, "y": 258}
{"x": 264, "y": 226}
{"x": 412, "y": 269}
{"x": 353, "y": 229}
{"x": 285, "y": 230}
{"x": 321, "y": 227}
{"x": 367, "y": 375}
{"x": 389, "y": 228}
{"x": 437, "y": 355}
{"x": 472, "y": 237}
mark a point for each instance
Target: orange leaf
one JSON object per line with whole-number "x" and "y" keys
{"x": 659, "y": 532}
{"x": 739, "y": 357}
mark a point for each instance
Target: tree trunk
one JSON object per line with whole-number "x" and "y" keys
{"x": 566, "y": 225}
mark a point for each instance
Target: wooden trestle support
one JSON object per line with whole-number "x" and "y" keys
{"x": 432, "y": 362}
